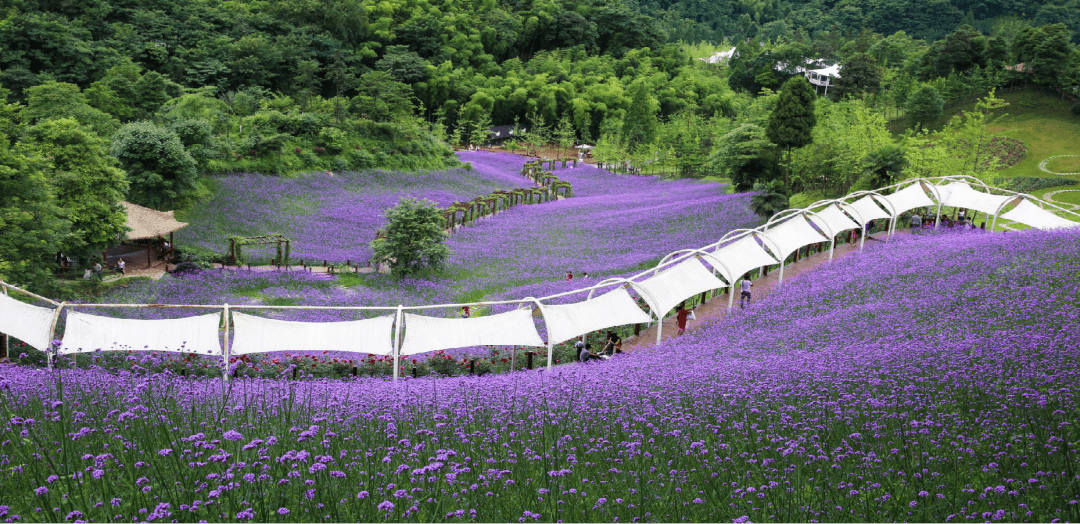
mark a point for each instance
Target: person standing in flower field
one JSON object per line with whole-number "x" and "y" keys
{"x": 916, "y": 222}
{"x": 746, "y": 284}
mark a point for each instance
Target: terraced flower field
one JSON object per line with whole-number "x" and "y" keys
{"x": 930, "y": 379}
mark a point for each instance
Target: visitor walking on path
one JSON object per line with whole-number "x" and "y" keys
{"x": 120, "y": 265}
{"x": 97, "y": 271}
{"x": 682, "y": 315}
{"x": 744, "y": 299}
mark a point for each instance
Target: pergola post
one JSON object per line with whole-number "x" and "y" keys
{"x": 937, "y": 219}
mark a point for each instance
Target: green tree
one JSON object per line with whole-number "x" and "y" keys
{"x": 744, "y": 153}
{"x": 89, "y": 186}
{"x": 564, "y": 135}
{"x": 791, "y": 123}
{"x": 885, "y": 165}
{"x": 161, "y": 172}
{"x": 60, "y": 100}
{"x": 381, "y": 98}
{"x": 639, "y": 125}
{"x": 924, "y": 105}
{"x": 769, "y": 199}
{"x": 32, "y": 225}
{"x": 480, "y": 130}
{"x": 413, "y": 238}
{"x": 860, "y": 75}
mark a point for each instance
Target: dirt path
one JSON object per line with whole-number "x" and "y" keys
{"x": 717, "y": 306}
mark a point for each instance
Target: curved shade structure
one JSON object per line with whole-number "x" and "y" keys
{"x": 28, "y": 323}
{"x": 614, "y": 308}
{"x": 793, "y": 234}
{"x": 513, "y": 328}
{"x": 909, "y": 198}
{"x": 671, "y": 286}
{"x": 835, "y": 219}
{"x": 89, "y": 333}
{"x": 254, "y": 334}
{"x": 959, "y": 194}
{"x": 868, "y": 209}
{"x": 736, "y": 259}
{"x": 1032, "y": 215}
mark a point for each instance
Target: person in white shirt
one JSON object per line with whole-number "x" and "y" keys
{"x": 745, "y": 298}
{"x": 120, "y": 265}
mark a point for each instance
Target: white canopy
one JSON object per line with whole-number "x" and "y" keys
{"x": 262, "y": 335}
{"x": 959, "y": 194}
{"x": 834, "y": 218}
{"x": 909, "y": 198}
{"x": 28, "y": 323}
{"x": 868, "y": 209}
{"x": 514, "y": 328}
{"x": 614, "y": 308}
{"x": 89, "y": 333}
{"x": 673, "y": 285}
{"x": 793, "y": 234}
{"x": 1032, "y": 215}
{"x": 736, "y": 259}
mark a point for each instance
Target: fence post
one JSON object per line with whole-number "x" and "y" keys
{"x": 52, "y": 335}
{"x": 226, "y": 351}
{"x": 397, "y": 341}
{"x": 4, "y": 337}
{"x": 528, "y": 358}
{"x": 472, "y": 367}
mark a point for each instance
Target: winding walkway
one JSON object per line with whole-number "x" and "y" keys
{"x": 716, "y": 307}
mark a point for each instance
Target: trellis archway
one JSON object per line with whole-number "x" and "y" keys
{"x": 284, "y": 247}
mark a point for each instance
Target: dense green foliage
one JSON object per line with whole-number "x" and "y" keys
{"x": 88, "y": 183}
{"x": 413, "y": 238}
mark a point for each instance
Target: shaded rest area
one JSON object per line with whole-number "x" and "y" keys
{"x": 144, "y": 224}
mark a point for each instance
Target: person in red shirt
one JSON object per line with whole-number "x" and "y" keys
{"x": 681, "y": 315}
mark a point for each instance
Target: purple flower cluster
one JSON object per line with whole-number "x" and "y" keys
{"x": 934, "y": 378}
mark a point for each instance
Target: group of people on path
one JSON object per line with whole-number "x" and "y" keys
{"x": 961, "y": 220}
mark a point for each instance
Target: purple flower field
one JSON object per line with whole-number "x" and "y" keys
{"x": 615, "y": 225}
{"x": 932, "y": 379}
{"x": 332, "y": 217}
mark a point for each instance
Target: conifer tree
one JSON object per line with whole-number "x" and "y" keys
{"x": 792, "y": 121}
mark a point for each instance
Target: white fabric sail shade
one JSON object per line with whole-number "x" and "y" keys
{"x": 614, "y": 308}
{"x": 868, "y": 209}
{"x": 254, "y": 334}
{"x": 28, "y": 323}
{"x": 793, "y": 234}
{"x": 834, "y": 218}
{"x": 88, "y": 333}
{"x": 1032, "y": 215}
{"x": 736, "y": 259}
{"x": 514, "y": 328}
{"x": 673, "y": 285}
{"x": 959, "y": 194}
{"x": 909, "y": 198}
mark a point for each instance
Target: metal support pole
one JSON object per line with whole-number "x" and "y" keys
{"x": 937, "y": 220}
{"x": 659, "y": 326}
{"x": 4, "y": 339}
{"x": 992, "y": 225}
{"x": 397, "y": 341}
{"x": 781, "y": 281}
{"x": 832, "y": 246}
{"x": 226, "y": 351}
{"x": 862, "y": 241}
{"x": 52, "y": 335}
